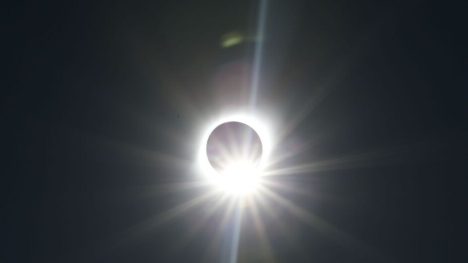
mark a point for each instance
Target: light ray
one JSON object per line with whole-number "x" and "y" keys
{"x": 135, "y": 154}
{"x": 195, "y": 228}
{"x": 154, "y": 223}
{"x": 282, "y": 226}
{"x": 284, "y": 186}
{"x": 234, "y": 245}
{"x": 261, "y": 232}
{"x": 346, "y": 162}
{"x": 167, "y": 188}
{"x": 258, "y": 53}
{"x": 165, "y": 217}
{"x": 220, "y": 235}
{"x": 325, "y": 228}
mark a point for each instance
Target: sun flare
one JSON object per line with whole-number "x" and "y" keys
{"x": 233, "y": 154}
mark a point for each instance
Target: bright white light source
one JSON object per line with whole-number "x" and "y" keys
{"x": 239, "y": 178}
{"x": 238, "y": 173}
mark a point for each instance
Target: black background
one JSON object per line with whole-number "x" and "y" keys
{"x": 101, "y": 101}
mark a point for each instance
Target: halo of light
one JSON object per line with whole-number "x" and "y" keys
{"x": 243, "y": 171}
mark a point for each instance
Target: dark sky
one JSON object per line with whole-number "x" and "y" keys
{"x": 102, "y": 101}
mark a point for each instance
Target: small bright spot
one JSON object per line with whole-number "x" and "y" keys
{"x": 232, "y": 39}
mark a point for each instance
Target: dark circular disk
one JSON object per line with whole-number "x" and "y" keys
{"x": 233, "y": 141}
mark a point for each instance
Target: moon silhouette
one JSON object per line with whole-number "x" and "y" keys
{"x": 233, "y": 141}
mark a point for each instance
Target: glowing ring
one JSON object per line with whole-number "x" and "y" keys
{"x": 254, "y": 122}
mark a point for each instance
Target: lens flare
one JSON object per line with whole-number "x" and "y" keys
{"x": 239, "y": 178}
{"x": 233, "y": 154}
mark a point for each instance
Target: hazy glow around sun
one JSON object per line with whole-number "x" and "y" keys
{"x": 239, "y": 176}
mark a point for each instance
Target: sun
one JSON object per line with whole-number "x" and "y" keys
{"x": 233, "y": 154}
